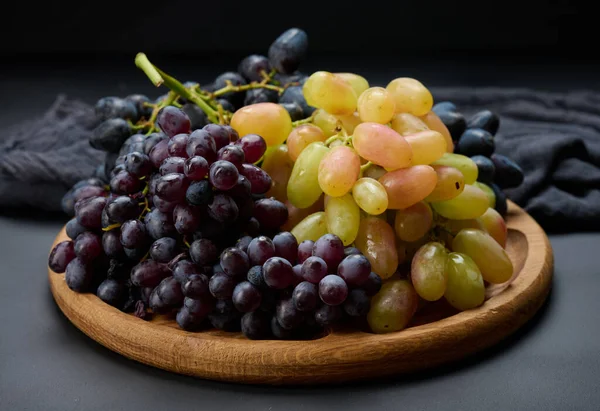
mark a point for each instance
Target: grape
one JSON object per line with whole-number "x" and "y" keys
{"x": 203, "y": 252}
{"x": 159, "y": 225}
{"x": 288, "y": 50}
{"x": 232, "y": 154}
{"x": 133, "y": 232}
{"x": 343, "y": 218}
{"x": 486, "y": 169}
{"x": 328, "y": 123}
{"x": 303, "y": 188}
{"x": 164, "y": 250}
{"x": 255, "y": 277}
{"x": 501, "y": 204}
{"x": 253, "y": 67}
{"x": 222, "y": 208}
{"x": 269, "y": 120}
{"x": 260, "y": 181}
{"x": 407, "y": 186}
{"x": 183, "y": 269}
{"x": 370, "y": 195}
{"x": 357, "y": 303}
{"x": 256, "y": 325}
{"x": 162, "y": 205}
{"x": 260, "y": 250}
{"x": 376, "y": 241}
{"x": 278, "y": 165}
{"x": 78, "y": 276}
{"x": 358, "y": 83}
{"x": 393, "y": 307}
{"x": 87, "y": 192}
{"x": 293, "y": 95}
{"x": 88, "y": 247}
{"x": 407, "y": 124}
{"x": 333, "y": 290}
{"x": 254, "y": 147}
{"x": 286, "y": 246}
{"x": 301, "y": 137}
{"x": 494, "y": 224}
{"x": 198, "y": 118}
{"x": 199, "y": 308}
{"x": 338, "y": 170}
{"x": 201, "y": 143}
{"x": 149, "y": 273}
{"x": 246, "y": 297}
{"x": 111, "y": 244}
{"x": 453, "y": 120}
{"x": 354, "y": 269}
{"x": 224, "y": 316}
{"x": 173, "y": 120}
{"x": 140, "y": 102}
{"x": 177, "y": 145}
{"x": 413, "y": 222}
{"x": 450, "y": 183}
{"x": 124, "y": 183}
{"x": 297, "y": 269}
{"x": 188, "y": 321}
{"x": 508, "y": 173}
{"x": 410, "y": 96}
{"x": 305, "y": 296}
{"x": 89, "y": 212}
{"x": 138, "y": 164}
{"x": 223, "y": 175}
{"x": 219, "y": 133}
{"x": 428, "y": 271}
{"x": 226, "y": 104}
{"x": 471, "y": 203}
{"x": 260, "y": 95}
{"x": 279, "y": 332}
{"x": 372, "y": 284}
{"x": 465, "y": 288}
{"x": 331, "y": 249}
{"x": 328, "y": 314}
{"x": 195, "y": 168}
{"x": 427, "y": 146}
{"x": 476, "y": 141}
{"x": 172, "y": 187}
{"x": 288, "y": 316}
{"x": 376, "y": 105}
{"x": 73, "y": 228}
{"x": 151, "y": 140}
{"x": 159, "y": 153}
{"x": 489, "y": 192}
{"x": 235, "y": 98}
{"x": 112, "y": 292}
{"x": 486, "y": 120}
{"x": 444, "y": 106}
{"x": 382, "y": 145}
{"x": 60, "y": 256}
{"x": 235, "y": 262}
{"x": 270, "y": 213}
{"x": 199, "y": 193}
{"x": 329, "y": 92}
{"x": 312, "y": 227}
{"x": 115, "y": 107}
{"x": 186, "y": 218}
{"x": 243, "y": 242}
{"x": 489, "y": 256}
{"x": 121, "y": 209}
{"x": 314, "y": 269}
{"x": 433, "y": 122}
{"x": 110, "y": 135}
{"x": 277, "y": 272}
{"x": 305, "y": 248}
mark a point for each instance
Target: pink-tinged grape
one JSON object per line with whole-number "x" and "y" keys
{"x": 177, "y": 145}
{"x": 435, "y": 123}
{"x": 427, "y": 146}
{"x": 303, "y": 188}
{"x": 465, "y": 288}
{"x": 338, "y": 171}
{"x": 471, "y": 203}
{"x": 488, "y": 192}
{"x": 331, "y": 249}
{"x": 406, "y": 124}
{"x": 413, "y": 222}
{"x": 464, "y": 164}
{"x": 254, "y": 147}
{"x": 295, "y": 214}
{"x": 357, "y": 82}
{"x": 492, "y": 260}
{"x": 382, "y": 145}
{"x": 232, "y": 153}
{"x": 376, "y": 105}
{"x": 343, "y": 218}
{"x": 305, "y": 250}
{"x": 260, "y": 181}
{"x": 393, "y": 307}
{"x": 278, "y": 164}
{"x": 173, "y": 120}
{"x": 408, "y": 186}
{"x": 450, "y": 183}
{"x": 271, "y": 121}
{"x": 410, "y": 96}
{"x": 302, "y": 136}
{"x": 374, "y": 171}
{"x": 350, "y": 121}
{"x": 312, "y": 227}
{"x": 377, "y": 241}
{"x": 223, "y": 175}
{"x": 333, "y": 290}
{"x": 495, "y": 225}
{"x": 428, "y": 271}
{"x": 328, "y": 123}
{"x": 329, "y": 92}
{"x": 286, "y": 246}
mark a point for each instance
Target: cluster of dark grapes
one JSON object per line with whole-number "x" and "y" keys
{"x": 474, "y": 138}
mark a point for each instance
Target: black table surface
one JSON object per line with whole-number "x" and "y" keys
{"x": 553, "y": 363}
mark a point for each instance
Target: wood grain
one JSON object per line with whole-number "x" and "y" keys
{"x": 436, "y": 336}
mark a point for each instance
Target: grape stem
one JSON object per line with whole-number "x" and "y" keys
{"x": 332, "y": 139}
{"x": 365, "y": 167}
{"x": 111, "y": 227}
{"x": 306, "y": 120}
{"x": 142, "y": 62}
{"x": 231, "y": 88}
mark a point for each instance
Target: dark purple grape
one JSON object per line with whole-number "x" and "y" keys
{"x": 233, "y": 135}
{"x": 486, "y": 120}
{"x": 141, "y": 102}
{"x": 125, "y": 183}
{"x": 354, "y": 269}
{"x": 172, "y": 187}
{"x": 501, "y": 205}
{"x": 279, "y": 332}
{"x": 328, "y": 314}
{"x": 89, "y": 212}
{"x": 242, "y": 188}
{"x": 486, "y": 169}
{"x": 224, "y": 316}
{"x": 188, "y": 321}
{"x": 223, "y": 175}
{"x": 186, "y": 218}
{"x": 305, "y": 296}
{"x": 453, "y": 120}
{"x": 169, "y": 291}
{"x": 294, "y": 96}
{"x": 73, "y": 228}
{"x": 159, "y": 225}
{"x": 508, "y": 173}
{"x": 288, "y": 316}
{"x": 88, "y": 247}
{"x": 243, "y": 242}
{"x": 331, "y": 249}
{"x": 256, "y": 325}
{"x": 260, "y": 95}
{"x": 195, "y": 168}
{"x": 252, "y": 227}
{"x": 62, "y": 254}
{"x": 149, "y": 273}
{"x": 255, "y": 276}
{"x": 121, "y": 209}
{"x": 156, "y": 303}
{"x": 112, "y": 292}
{"x": 305, "y": 250}
{"x": 111, "y": 244}
{"x": 357, "y": 303}
{"x": 288, "y": 50}
{"x": 78, "y": 275}
{"x": 198, "y": 118}
{"x": 246, "y": 297}
{"x": 173, "y": 120}
{"x": 116, "y": 107}
{"x": 351, "y": 251}
{"x": 253, "y": 67}
{"x": 333, "y": 290}
{"x": 133, "y": 233}
{"x": 110, "y": 135}
{"x": 223, "y": 209}
{"x": 136, "y": 253}
{"x": 87, "y": 192}
{"x": 152, "y": 180}
{"x": 163, "y": 206}
{"x": 297, "y": 275}
{"x": 278, "y": 273}
{"x": 260, "y": 250}
{"x": 201, "y": 143}
{"x": 372, "y": 285}
{"x": 260, "y": 181}
{"x": 314, "y": 269}
{"x": 294, "y": 110}
{"x": 183, "y": 269}
{"x": 476, "y": 141}
{"x": 164, "y": 249}
{"x": 159, "y": 153}
{"x": 199, "y": 307}
{"x": 177, "y": 145}
{"x": 254, "y": 147}
{"x": 219, "y": 134}
{"x": 221, "y": 286}
{"x": 138, "y": 164}
{"x": 172, "y": 165}
{"x": 235, "y": 262}
{"x": 226, "y": 104}
{"x": 204, "y": 252}
{"x": 199, "y": 193}
{"x": 152, "y": 140}
{"x": 196, "y": 286}
{"x": 236, "y": 98}
{"x": 270, "y": 213}
{"x": 232, "y": 153}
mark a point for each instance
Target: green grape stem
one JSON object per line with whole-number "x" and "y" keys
{"x": 231, "y": 88}
{"x": 306, "y": 120}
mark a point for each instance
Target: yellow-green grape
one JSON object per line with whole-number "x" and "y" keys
{"x": 406, "y": 123}
{"x": 338, "y": 171}
{"x": 464, "y": 164}
{"x": 358, "y": 83}
{"x": 488, "y": 191}
{"x": 428, "y": 271}
{"x": 376, "y": 105}
{"x": 330, "y": 92}
{"x": 376, "y": 240}
{"x": 302, "y": 136}
{"x": 471, "y": 203}
{"x": 370, "y": 195}
{"x": 455, "y": 226}
{"x": 303, "y": 187}
{"x": 410, "y": 96}
{"x": 311, "y": 228}
{"x": 381, "y": 145}
{"x": 408, "y": 186}
{"x": 343, "y": 217}
{"x": 494, "y": 224}
{"x": 450, "y": 183}
{"x": 349, "y": 121}
{"x": 465, "y": 288}
{"x": 328, "y": 123}
{"x": 427, "y": 146}
{"x": 413, "y": 222}
{"x": 393, "y": 307}
{"x": 278, "y": 164}
{"x": 490, "y": 257}
{"x": 374, "y": 171}
{"x": 435, "y": 123}
{"x": 269, "y": 120}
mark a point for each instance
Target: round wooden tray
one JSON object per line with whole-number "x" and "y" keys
{"x": 435, "y": 337}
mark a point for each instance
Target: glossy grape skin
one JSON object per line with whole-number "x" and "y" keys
{"x": 112, "y": 292}
{"x": 223, "y": 175}
{"x": 410, "y": 96}
{"x": 342, "y": 215}
{"x": 260, "y": 181}
{"x": 221, "y": 285}
{"x": 329, "y": 92}
{"x": 311, "y": 227}
{"x": 377, "y": 241}
{"x": 328, "y": 123}
{"x": 203, "y": 252}
{"x": 201, "y": 143}
{"x": 495, "y": 225}
{"x": 164, "y": 250}
{"x": 234, "y": 262}
{"x": 288, "y": 50}
{"x": 253, "y": 66}
{"x": 246, "y": 297}
{"x": 508, "y": 173}
{"x": 133, "y": 232}
{"x": 305, "y": 296}
{"x": 278, "y": 164}
{"x": 153, "y": 139}
{"x": 78, "y": 276}
{"x": 426, "y": 146}
{"x": 488, "y": 192}
{"x": 269, "y": 120}
{"x": 333, "y": 290}
{"x": 476, "y": 141}
{"x": 199, "y": 193}
{"x": 407, "y": 186}
{"x": 73, "y": 228}
{"x": 233, "y": 154}
{"x": 471, "y": 203}
{"x": 173, "y": 120}
{"x": 428, "y": 271}
{"x": 88, "y": 247}
{"x": 358, "y": 83}
{"x": 370, "y": 195}
{"x": 331, "y": 249}
{"x": 486, "y": 120}
{"x": 278, "y": 273}
{"x": 254, "y": 147}
{"x": 413, "y": 222}
{"x": 110, "y": 135}
{"x": 301, "y": 137}
{"x": 303, "y": 188}
{"x": 486, "y": 169}
{"x": 433, "y": 122}
{"x": 121, "y": 209}
{"x": 313, "y": 269}
{"x": 115, "y": 107}
{"x": 305, "y": 250}
{"x": 223, "y": 209}
{"x": 149, "y": 273}
{"x": 195, "y": 168}
{"x": 294, "y": 95}
{"x": 159, "y": 225}
{"x": 89, "y": 212}
{"x": 60, "y": 256}
{"x": 465, "y": 288}
{"x": 124, "y": 183}
{"x": 198, "y": 118}
{"x": 159, "y": 153}
{"x": 111, "y": 244}
{"x": 354, "y": 269}
{"x": 453, "y": 120}
{"x": 270, "y": 213}
{"x": 172, "y": 187}
{"x": 492, "y": 260}
{"x": 464, "y": 164}
{"x": 338, "y": 170}
{"x": 393, "y": 307}
{"x": 138, "y": 164}
{"x": 450, "y": 183}
{"x": 260, "y": 250}
{"x": 382, "y": 145}
{"x": 376, "y": 105}
{"x": 406, "y": 124}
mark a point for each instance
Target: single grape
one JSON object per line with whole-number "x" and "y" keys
{"x": 305, "y": 250}
{"x": 253, "y": 146}
{"x": 413, "y": 222}
{"x": 195, "y": 168}
{"x": 301, "y": 137}
{"x": 60, "y": 256}
{"x": 111, "y": 244}
{"x": 133, "y": 232}
{"x": 305, "y": 296}
{"x": 183, "y": 269}
{"x": 486, "y": 120}
{"x": 407, "y": 186}
{"x": 338, "y": 170}
{"x": 170, "y": 292}
{"x": 288, "y": 316}
{"x": 453, "y": 120}
{"x": 372, "y": 285}
{"x": 329, "y": 92}
{"x": 164, "y": 249}
{"x": 204, "y": 252}
{"x": 270, "y": 213}
{"x": 236, "y": 98}
{"x": 260, "y": 181}
{"x": 223, "y": 175}
{"x": 141, "y": 103}
{"x": 256, "y": 325}
{"x": 177, "y": 145}
{"x": 172, "y": 165}
{"x": 138, "y": 164}
{"x": 199, "y": 193}
{"x": 278, "y": 273}
{"x": 471, "y": 203}
{"x": 354, "y": 269}
{"x": 121, "y": 209}
{"x": 201, "y": 143}
{"x": 328, "y": 314}
{"x": 271, "y": 121}
{"x": 465, "y": 288}
{"x": 232, "y": 154}
{"x": 370, "y": 195}
{"x": 294, "y": 95}
{"x": 508, "y": 173}
{"x": 115, "y": 107}
{"x": 450, "y": 183}
{"x": 288, "y": 50}
{"x": 234, "y": 262}
{"x": 152, "y": 140}
{"x": 73, "y": 228}
{"x": 173, "y": 120}
{"x": 159, "y": 153}
{"x": 197, "y": 116}
{"x": 159, "y": 225}
{"x": 486, "y": 169}
{"x": 221, "y": 285}
{"x": 89, "y": 212}
{"x": 149, "y": 273}
{"x": 377, "y": 105}
{"x": 223, "y": 208}
{"x": 78, "y": 276}
{"x": 255, "y": 276}
{"x": 382, "y": 145}
{"x": 88, "y": 247}
{"x": 331, "y": 249}
{"x": 393, "y": 307}
{"x": 342, "y": 215}
{"x": 246, "y": 297}
{"x": 186, "y": 218}
{"x": 428, "y": 271}
{"x": 357, "y": 303}
{"x": 110, "y": 135}
{"x": 253, "y": 67}
{"x": 243, "y": 242}
{"x": 476, "y": 141}
{"x": 279, "y": 332}
{"x": 314, "y": 269}
{"x": 376, "y": 241}
{"x": 260, "y": 250}
{"x": 172, "y": 187}
{"x": 333, "y": 290}
{"x": 112, "y": 292}
{"x": 286, "y": 246}
{"x": 427, "y": 146}
{"x": 407, "y": 124}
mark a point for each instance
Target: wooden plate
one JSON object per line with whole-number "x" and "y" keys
{"x": 340, "y": 355}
